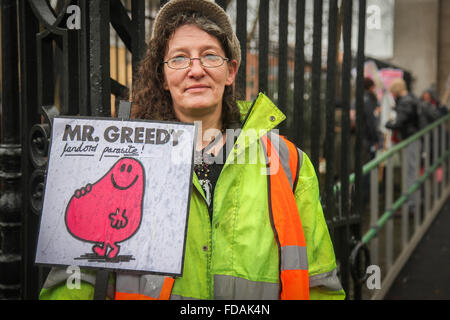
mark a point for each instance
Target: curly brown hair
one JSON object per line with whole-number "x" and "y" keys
{"x": 150, "y": 99}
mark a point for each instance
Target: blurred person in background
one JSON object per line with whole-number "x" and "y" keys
{"x": 407, "y": 123}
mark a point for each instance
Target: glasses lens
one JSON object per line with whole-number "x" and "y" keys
{"x": 212, "y": 61}
{"x": 178, "y": 62}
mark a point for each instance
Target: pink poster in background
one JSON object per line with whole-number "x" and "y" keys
{"x": 388, "y": 75}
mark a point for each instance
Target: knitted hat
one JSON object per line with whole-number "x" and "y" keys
{"x": 207, "y": 8}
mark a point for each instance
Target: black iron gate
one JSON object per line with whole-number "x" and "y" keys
{"x": 57, "y": 58}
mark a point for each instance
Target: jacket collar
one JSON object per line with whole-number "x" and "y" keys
{"x": 262, "y": 115}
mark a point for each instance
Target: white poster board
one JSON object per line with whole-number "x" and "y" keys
{"x": 117, "y": 195}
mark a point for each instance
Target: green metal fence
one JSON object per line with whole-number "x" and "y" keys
{"x": 391, "y": 237}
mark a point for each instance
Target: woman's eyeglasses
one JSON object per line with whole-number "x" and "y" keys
{"x": 208, "y": 61}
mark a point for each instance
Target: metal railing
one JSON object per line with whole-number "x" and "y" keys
{"x": 79, "y": 70}
{"x": 392, "y": 236}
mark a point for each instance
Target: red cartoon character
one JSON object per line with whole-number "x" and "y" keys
{"x": 110, "y": 210}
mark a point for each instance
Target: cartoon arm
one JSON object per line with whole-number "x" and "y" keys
{"x": 118, "y": 220}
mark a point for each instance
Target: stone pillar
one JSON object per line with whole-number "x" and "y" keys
{"x": 416, "y": 27}
{"x": 444, "y": 51}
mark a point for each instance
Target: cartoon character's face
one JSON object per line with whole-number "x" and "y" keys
{"x": 125, "y": 173}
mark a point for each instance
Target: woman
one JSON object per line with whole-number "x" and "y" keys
{"x": 256, "y": 228}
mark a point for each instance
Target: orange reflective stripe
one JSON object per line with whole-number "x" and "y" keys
{"x": 165, "y": 293}
{"x": 288, "y": 226}
{"x": 296, "y": 279}
{"x": 167, "y": 288}
{"x": 286, "y": 220}
{"x": 132, "y": 296}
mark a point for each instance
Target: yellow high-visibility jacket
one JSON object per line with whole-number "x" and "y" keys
{"x": 236, "y": 256}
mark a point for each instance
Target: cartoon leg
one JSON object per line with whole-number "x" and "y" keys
{"x": 100, "y": 250}
{"x": 114, "y": 250}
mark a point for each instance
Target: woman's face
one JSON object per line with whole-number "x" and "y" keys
{"x": 196, "y": 91}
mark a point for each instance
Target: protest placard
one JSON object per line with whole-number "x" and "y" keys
{"x": 117, "y": 195}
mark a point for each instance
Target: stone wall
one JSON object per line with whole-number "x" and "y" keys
{"x": 444, "y": 49}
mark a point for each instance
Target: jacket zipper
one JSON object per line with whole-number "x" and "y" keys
{"x": 210, "y": 210}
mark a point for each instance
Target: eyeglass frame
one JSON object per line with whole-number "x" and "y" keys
{"x": 199, "y": 59}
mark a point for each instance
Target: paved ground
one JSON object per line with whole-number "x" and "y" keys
{"x": 426, "y": 276}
